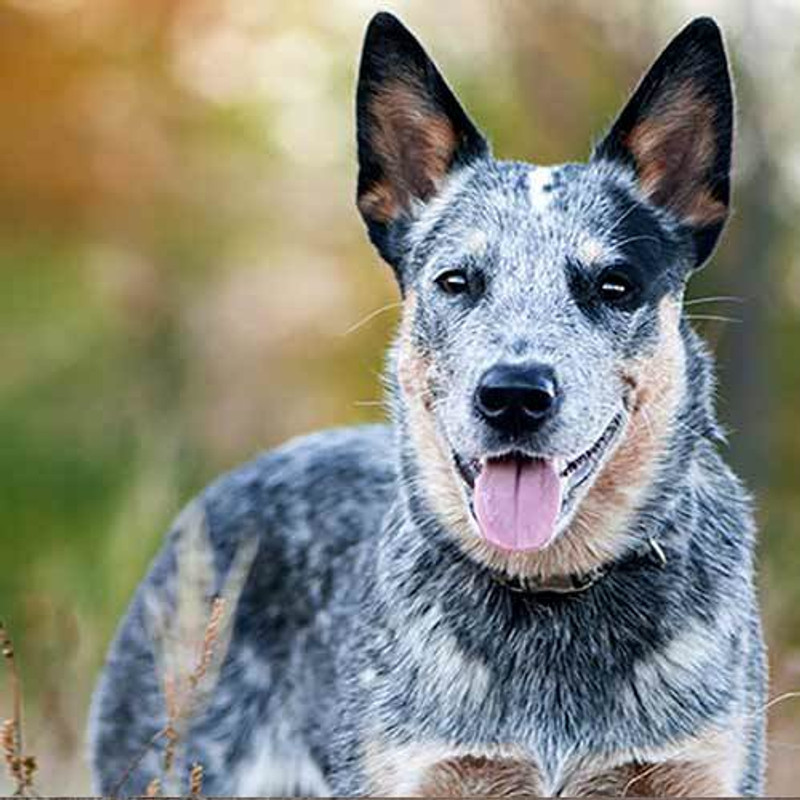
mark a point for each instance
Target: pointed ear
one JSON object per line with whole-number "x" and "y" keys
{"x": 676, "y": 132}
{"x": 412, "y": 132}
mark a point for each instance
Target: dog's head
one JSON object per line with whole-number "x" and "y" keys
{"x": 540, "y": 361}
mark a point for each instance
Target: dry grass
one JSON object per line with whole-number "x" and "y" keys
{"x": 190, "y": 632}
{"x": 783, "y": 743}
{"x": 191, "y": 635}
{"x": 190, "y": 641}
{"x": 196, "y": 780}
{"x": 21, "y": 768}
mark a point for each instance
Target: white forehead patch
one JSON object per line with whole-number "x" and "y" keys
{"x": 590, "y": 250}
{"x": 538, "y": 179}
{"x": 476, "y": 242}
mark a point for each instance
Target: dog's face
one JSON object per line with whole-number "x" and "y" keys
{"x": 540, "y": 361}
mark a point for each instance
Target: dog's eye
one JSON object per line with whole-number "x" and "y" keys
{"x": 615, "y": 286}
{"x": 453, "y": 281}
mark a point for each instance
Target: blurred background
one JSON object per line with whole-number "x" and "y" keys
{"x": 183, "y": 269}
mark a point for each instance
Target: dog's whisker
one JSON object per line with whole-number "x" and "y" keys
{"x": 621, "y": 218}
{"x": 721, "y": 298}
{"x": 631, "y": 239}
{"x": 712, "y": 318}
{"x": 754, "y": 715}
{"x": 371, "y": 316}
{"x": 677, "y": 424}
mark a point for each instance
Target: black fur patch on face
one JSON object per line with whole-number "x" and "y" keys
{"x": 647, "y": 258}
{"x": 676, "y": 133}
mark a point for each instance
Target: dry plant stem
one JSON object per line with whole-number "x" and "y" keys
{"x": 138, "y": 760}
{"x": 209, "y": 641}
{"x": 191, "y": 638}
{"x": 176, "y": 713}
{"x": 172, "y": 737}
{"x": 21, "y": 768}
{"x": 169, "y": 731}
{"x": 180, "y": 709}
{"x": 196, "y": 780}
{"x": 9, "y": 736}
{"x": 792, "y": 695}
{"x": 16, "y": 686}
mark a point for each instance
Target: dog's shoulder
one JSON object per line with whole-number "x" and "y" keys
{"x": 293, "y": 512}
{"x": 306, "y": 491}
{"x": 320, "y": 492}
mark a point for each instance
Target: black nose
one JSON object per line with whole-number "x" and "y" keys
{"x": 517, "y": 398}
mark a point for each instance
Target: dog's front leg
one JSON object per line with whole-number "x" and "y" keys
{"x": 436, "y": 769}
{"x": 707, "y": 765}
{"x": 665, "y": 779}
{"x": 480, "y": 776}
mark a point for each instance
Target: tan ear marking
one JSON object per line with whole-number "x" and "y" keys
{"x": 415, "y": 144}
{"x": 379, "y": 203}
{"x": 674, "y": 150}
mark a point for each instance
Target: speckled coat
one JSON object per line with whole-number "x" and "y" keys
{"x": 379, "y": 645}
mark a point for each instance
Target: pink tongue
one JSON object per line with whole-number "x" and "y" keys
{"x": 517, "y": 503}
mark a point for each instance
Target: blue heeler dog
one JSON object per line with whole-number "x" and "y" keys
{"x": 538, "y": 579}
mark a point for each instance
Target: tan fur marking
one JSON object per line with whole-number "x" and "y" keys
{"x": 705, "y": 766}
{"x": 657, "y": 384}
{"x": 674, "y": 149}
{"x": 379, "y": 203}
{"x": 479, "y": 776}
{"x": 442, "y": 484}
{"x": 596, "y": 534}
{"x": 671, "y": 779}
{"x": 704, "y": 209}
{"x": 436, "y": 768}
{"x": 415, "y": 146}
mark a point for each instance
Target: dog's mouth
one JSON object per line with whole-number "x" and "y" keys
{"x": 519, "y": 499}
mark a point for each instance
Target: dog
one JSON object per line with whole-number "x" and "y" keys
{"x": 538, "y": 578}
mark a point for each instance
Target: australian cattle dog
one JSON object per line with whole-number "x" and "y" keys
{"x": 538, "y": 577}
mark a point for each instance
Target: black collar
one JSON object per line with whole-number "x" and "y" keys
{"x": 576, "y": 583}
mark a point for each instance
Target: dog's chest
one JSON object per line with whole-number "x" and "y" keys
{"x": 555, "y": 683}
{"x": 562, "y": 711}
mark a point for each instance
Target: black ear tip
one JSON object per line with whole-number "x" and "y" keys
{"x": 704, "y": 25}
{"x": 384, "y": 25}
{"x": 384, "y": 19}
{"x": 703, "y": 31}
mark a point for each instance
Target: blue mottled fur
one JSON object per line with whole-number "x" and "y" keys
{"x": 376, "y": 636}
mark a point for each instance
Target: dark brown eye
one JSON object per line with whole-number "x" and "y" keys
{"x": 616, "y": 287}
{"x": 454, "y": 281}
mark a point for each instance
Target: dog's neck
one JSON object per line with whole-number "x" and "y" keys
{"x": 572, "y": 584}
